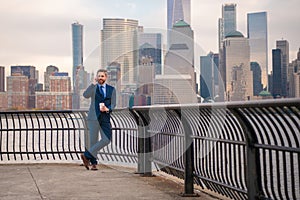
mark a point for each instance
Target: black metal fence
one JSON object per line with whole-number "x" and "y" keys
{"x": 242, "y": 150}
{"x": 62, "y": 135}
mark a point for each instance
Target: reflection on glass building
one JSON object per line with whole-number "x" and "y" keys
{"x": 178, "y": 10}
{"x": 227, "y": 23}
{"x": 258, "y": 41}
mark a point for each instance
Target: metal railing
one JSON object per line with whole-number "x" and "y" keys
{"x": 62, "y": 135}
{"x": 242, "y": 150}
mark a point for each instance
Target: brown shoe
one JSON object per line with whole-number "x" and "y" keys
{"x": 85, "y": 161}
{"x": 94, "y": 167}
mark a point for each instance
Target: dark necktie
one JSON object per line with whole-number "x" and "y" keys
{"x": 97, "y": 101}
{"x": 101, "y": 91}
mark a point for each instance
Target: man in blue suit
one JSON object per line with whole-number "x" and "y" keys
{"x": 103, "y": 101}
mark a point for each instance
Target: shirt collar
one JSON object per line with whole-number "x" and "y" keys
{"x": 104, "y": 85}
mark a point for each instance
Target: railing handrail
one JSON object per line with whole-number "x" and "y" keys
{"x": 228, "y": 104}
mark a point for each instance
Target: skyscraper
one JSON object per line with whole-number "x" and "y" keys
{"x": 153, "y": 43}
{"x": 119, "y": 43}
{"x": 180, "y": 57}
{"x": 178, "y": 83}
{"x": 2, "y": 78}
{"x": 237, "y": 77}
{"x": 150, "y": 64}
{"x": 258, "y": 40}
{"x": 207, "y": 76}
{"x": 293, "y": 76}
{"x": 77, "y": 42}
{"x": 178, "y": 10}
{"x": 227, "y": 23}
{"x": 277, "y": 73}
{"x": 283, "y": 45}
{"x": 256, "y": 70}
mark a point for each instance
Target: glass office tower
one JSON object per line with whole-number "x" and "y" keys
{"x": 178, "y": 10}
{"x": 227, "y": 23}
{"x": 277, "y": 73}
{"x": 258, "y": 40}
{"x": 77, "y": 42}
{"x": 283, "y": 45}
{"x": 119, "y": 43}
{"x": 77, "y": 48}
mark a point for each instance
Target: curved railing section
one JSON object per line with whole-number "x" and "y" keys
{"x": 243, "y": 150}
{"x": 62, "y": 135}
{"x": 41, "y": 135}
{"x": 124, "y": 145}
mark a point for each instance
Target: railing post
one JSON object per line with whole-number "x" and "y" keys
{"x": 144, "y": 146}
{"x": 254, "y": 188}
{"x": 188, "y": 157}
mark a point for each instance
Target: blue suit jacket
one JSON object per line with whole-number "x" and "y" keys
{"x": 109, "y": 101}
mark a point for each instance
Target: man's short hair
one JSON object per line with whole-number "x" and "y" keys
{"x": 102, "y": 70}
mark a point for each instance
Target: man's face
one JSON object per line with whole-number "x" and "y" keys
{"x": 101, "y": 77}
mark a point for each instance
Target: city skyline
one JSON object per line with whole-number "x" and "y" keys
{"x": 39, "y": 34}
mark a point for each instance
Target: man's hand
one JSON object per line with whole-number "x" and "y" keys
{"x": 104, "y": 109}
{"x": 95, "y": 81}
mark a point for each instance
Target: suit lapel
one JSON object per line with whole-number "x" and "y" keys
{"x": 108, "y": 91}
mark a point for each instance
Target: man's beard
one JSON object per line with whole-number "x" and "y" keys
{"x": 101, "y": 81}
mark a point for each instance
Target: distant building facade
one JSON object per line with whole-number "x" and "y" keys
{"x": 257, "y": 84}
{"x": 31, "y": 73}
{"x": 173, "y": 89}
{"x": 283, "y": 45}
{"x": 18, "y": 92}
{"x": 114, "y": 79}
{"x": 277, "y": 74}
{"x": 2, "y": 79}
{"x": 59, "y": 96}
{"x": 3, "y": 101}
{"x": 77, "y": 48}
{"x": 180, "y": 57}
{"x": 50, "y": 70}
{"x": 258, "y": 41}
{"x": 227, "y": 23}
{"x": 207, "y": 76}
{"x": 178, "y": 10}
{"x": 119, "y": 43}
{"x": 150, "y": 45}
{"x": 297, "y": 85}
{"x": 293, "y": 76}
{"x": 235, "y": 73}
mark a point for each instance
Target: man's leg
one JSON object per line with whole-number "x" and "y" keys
{"x": 105, "y": 132}
{"x": 94, "y": 128}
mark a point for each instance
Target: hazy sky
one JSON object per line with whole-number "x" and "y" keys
{"x": 38, "y": 32}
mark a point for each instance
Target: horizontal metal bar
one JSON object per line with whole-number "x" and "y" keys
{"x": 220, "y": 105}
{"x": 278, "y": 148}
{"x": 166, "y": 133}
{"x": 40, "y": 152}
{"x": 219, "y": 140}
{"x": 221, "y": 184}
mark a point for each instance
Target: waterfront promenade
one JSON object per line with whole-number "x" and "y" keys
{"x": 72, "y": 181}
{"x": 239, "y": 150}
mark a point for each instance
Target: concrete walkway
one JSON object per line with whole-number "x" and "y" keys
{"x": 72, "y": 181}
